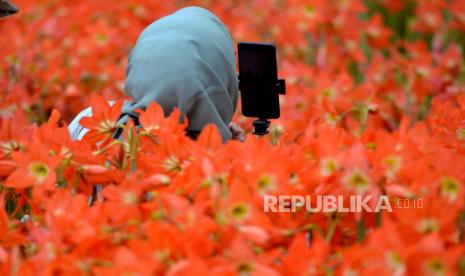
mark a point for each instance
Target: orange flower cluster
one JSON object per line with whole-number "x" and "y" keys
{"x": 375, "y": 106}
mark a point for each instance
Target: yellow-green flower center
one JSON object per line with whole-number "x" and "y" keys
{"x": 106, "y": 126}
{"x": 244, "y": 268}
{"x": 395, "y": 261}
{"x": 328, "y": 93}
{"x": 265, "y": 182}
{"x": 428, "y": 225}
{"x": 460, "y": 133}
{"x": 239, "y": 211}
{"x": 393, "y": 164}
{"x": 331, "y": 119}
{"x": 130, "y": 197}
{"x": 172, "y": 164}
{"x": 435, "y": 267}
{"x": 39, "y": 170}
{"x": 357, "y": 180}
{"x": 449, "y": 187}
{"x": 328, "y": 166}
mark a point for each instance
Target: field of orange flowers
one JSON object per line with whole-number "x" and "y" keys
{"x": 375, "y": 106}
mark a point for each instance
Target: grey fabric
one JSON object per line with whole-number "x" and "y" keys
{"x": 185, "y": 60}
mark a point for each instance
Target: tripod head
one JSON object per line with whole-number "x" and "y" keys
{"x": 260, "y": 127}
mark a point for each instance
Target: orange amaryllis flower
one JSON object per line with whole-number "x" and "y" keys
{"x": 10, "y": 230}
{"x": 152, "y": 118}
{"x": 35, "y": 167}
{"x": 13, "y": 134}
{"x": 102, "y": 124}
{"x": 54, "y": 135}
{"x": 7, "y": 167}
{"x": 156, "y": 122}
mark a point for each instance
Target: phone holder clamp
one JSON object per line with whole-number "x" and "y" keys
{"x": 281, "y": 86}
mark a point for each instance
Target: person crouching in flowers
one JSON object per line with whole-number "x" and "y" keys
{"x": 184, "y": 60}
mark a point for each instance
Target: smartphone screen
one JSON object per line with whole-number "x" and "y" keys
{"x": 258, "y": 77}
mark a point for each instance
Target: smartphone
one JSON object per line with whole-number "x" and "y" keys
{"x": 258, "y": 80}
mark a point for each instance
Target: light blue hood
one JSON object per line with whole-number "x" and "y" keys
{"x": 185, "y": 60}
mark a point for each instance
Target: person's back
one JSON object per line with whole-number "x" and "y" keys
{"x": 183, "y": 60}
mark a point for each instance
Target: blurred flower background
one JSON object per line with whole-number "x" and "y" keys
{"x": 375, "y": 106}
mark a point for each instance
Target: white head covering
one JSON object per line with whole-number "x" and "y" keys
{"x": 185, "y": 60}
